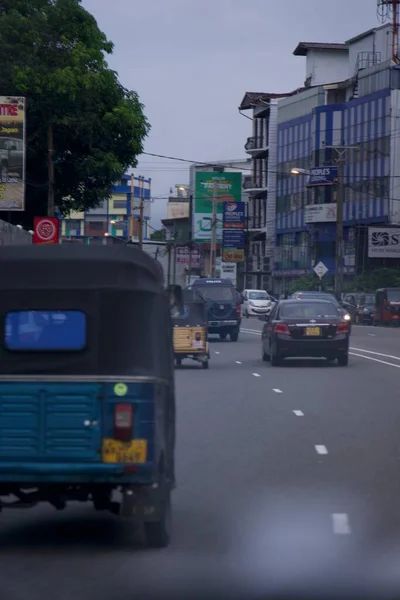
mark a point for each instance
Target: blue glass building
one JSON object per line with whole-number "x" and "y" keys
{"x": 361, "y": 111}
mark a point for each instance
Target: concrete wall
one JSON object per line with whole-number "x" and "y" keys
{"x": 10, "y": 235}
{"x": 326, "y": 66}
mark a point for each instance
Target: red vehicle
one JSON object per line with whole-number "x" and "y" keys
{"x": 387, "y": 307}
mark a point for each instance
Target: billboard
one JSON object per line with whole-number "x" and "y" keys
{"x": 320, "y": 213}
{"x": 383, "y": 242}
{"x": 233, "y": 237}
{"x": 12, "y": 153}
{"x": 228, "y": 189}
{"x": 323, "y": 176}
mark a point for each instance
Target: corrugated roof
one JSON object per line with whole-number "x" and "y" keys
{"x": 303, "y": 47}
{"x": 251, "y": 99}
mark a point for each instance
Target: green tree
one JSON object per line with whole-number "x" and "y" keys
{"x": 53, "y": 52}
{"x": 158, "y": 235}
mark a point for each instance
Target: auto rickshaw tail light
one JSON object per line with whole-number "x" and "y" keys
{"x": 123, "y": 422}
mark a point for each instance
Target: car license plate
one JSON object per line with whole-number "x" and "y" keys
{"x": 114, "y": 451}
{"x": 313, "y": 331}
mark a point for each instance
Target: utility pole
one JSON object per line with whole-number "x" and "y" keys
{"x": 213, "y": 249}
{"x": 341, "y": 156}
{"x": 50, "y": 165}
{"x": 141, "y": 213}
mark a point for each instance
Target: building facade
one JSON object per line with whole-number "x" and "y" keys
{"x": 360, "y": 114}
{"x": 117, "y": 217}
{"x": 261, "y": 187}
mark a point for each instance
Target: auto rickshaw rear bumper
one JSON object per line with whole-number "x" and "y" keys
{"x": 84, "y": 473}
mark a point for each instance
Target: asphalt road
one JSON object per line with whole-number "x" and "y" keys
{"x": 287, "y": 475}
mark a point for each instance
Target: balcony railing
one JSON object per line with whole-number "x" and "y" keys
{"x": 256, "y": 145}
{"x": 254, "y": 184}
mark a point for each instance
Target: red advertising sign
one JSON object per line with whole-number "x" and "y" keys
{"x": 46, "y": 230}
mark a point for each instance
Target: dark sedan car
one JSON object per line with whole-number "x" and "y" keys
{"x": 311, "y": 328}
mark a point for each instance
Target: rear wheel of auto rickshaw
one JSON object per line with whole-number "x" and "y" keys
{"x": 178, "y": 362}
{"x": 234, "y": 335}
{"x": 357, "y": 320}
{"x": 222, "y": 336}
{"x": 205, "y": 364}
{"x": 158, "y": 534}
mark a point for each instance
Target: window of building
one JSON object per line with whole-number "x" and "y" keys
{"x": 119, "y": 204}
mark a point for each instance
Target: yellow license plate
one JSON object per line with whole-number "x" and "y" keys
{"x": 313, "y": 330}
{"x": 114, "y": 451}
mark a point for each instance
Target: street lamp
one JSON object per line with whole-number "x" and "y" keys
{"x": 299, "y": 171}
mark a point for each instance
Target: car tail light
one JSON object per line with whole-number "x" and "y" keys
{"x": 238, "y": 309}
{"x": 123, "y": 422}
{"x": 197, "y": 336}
{"x": 281, "y": 328}
{"x": 342, "y": 328}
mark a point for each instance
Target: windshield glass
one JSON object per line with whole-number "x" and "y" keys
{"x": 393, "y": 295}
{"x": 258, "y": 295}
{"x": 369, "y": 299}
{"x": 308, "y": 310}
{"x": 218, "y": 293}
{"x": 328, "y": 297}
{"x": 45, "y": 330}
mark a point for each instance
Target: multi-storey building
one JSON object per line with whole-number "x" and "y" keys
{"x": 351, "y": 98}
{"x": 117, "y": 217}
{"x": 260, "y": 186}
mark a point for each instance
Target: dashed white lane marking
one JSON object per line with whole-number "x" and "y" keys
{"x": 256, "y": 374}
{"x": 238, "y": 362}
{"x": 298, "y": 413}
{"x": 321, "y": 449}
{"x": 340, "y": 523}
{"x": 277, "y": 391}
{"x": 383, "y": 362}
{"x": 216, "y": 352}
{"x": 371, "y": 334}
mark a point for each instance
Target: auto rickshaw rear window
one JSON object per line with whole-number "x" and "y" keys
{"x": 45, "y": 330}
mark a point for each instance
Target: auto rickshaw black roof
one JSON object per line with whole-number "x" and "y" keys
{"x": 78, "y": 266}
{"x": 119, "y": 289}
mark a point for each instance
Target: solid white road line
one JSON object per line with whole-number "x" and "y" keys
{"x": 256, "y": 374}
{"x": 376, "y": 353}
{"x": 340, "y": 523}
{"x": 321, "y": 449}
{"x": 383, "y": 362}
{"x": 277, "y": 391}
{"x": 298, "y": 413}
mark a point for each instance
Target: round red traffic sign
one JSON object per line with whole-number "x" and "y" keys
{"x": 46, "y": 230}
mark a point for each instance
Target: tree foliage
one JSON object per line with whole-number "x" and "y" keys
{"x": 378, "y": 278}
{"x": 53, "y": 52}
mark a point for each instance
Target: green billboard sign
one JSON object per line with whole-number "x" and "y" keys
{"x": 228, "y": 189}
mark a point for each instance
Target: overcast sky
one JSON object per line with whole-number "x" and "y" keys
{"x": 191, "y": 61}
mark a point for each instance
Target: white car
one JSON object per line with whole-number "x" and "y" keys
{"x": 256, "y": 303}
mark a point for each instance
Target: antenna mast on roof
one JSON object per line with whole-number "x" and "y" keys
{"x": 389, "y": 10}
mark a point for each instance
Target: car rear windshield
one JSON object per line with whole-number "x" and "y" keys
{"x": 308, "y": 310}
{"x": 258, "y": 296}
{"x": 216, "y": 293}
{"x": 44, "y": 330}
